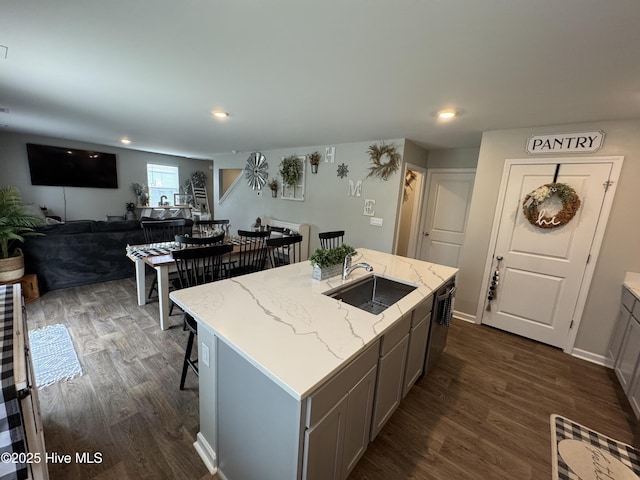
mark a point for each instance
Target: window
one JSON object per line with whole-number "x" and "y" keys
{"x": 163, "y": 180}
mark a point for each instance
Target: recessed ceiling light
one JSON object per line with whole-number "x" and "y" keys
{"x": 125, "y": 141}
{"x": 446, "y": 114}
{"x": 220, "y": 114}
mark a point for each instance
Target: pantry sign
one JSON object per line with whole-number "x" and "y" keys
{"x": 575, "y": 142}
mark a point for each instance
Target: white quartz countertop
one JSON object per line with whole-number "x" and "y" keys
{"x": 632, "y": 282}
{"x": 280, "y": 321}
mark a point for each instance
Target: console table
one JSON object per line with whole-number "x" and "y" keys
{"x": 165, "y": 213}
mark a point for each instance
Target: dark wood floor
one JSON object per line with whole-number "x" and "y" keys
{"x": 482, "y": 413}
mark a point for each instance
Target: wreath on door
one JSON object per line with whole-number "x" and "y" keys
{"x": 533, "y": 205}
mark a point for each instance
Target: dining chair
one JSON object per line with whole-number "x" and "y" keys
{"x": 160, "y": 231}
{"x": 184, "y": 241}
{"x": 284, "y": 250}
{"x": 331, "y": 239}
{"x": 252, "y": 252}
{"x": 197, "y": 266}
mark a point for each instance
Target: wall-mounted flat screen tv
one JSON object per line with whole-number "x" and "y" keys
{"x": 71, "y": 168}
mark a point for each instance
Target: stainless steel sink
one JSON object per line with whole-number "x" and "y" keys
{"x": 373, "y": 294}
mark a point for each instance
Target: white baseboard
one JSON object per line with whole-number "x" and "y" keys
{"x": 206, "y": 453}
{"x": 464, "y": 316}
{"x": 592, "y": 357}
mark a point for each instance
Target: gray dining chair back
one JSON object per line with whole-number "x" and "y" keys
{"x": 160, "y": 231}
{"x": 197, "y": 266}
{"x": 157, "y": 231}
{"x": 252, "y": 252}
{"x": 284, "y": 250}
{"x": 331, "y": 239}
{"x": 185, "y": 241}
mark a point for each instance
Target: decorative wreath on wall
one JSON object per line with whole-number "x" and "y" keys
{"x": 532, "y": 206}
{"x": 380, "y": 168}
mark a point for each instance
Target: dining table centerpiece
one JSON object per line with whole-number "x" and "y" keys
{"x": 328, "y": 262}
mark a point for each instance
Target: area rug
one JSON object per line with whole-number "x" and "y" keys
{"x": 582, "y": 454}
{"x": 53, "y": 355}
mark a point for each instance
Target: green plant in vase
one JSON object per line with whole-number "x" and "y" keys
{"x": 15, "y": 224}
{"x": 327, "y": 262}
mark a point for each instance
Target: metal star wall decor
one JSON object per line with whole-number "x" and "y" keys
{"x": 343, "y": 170}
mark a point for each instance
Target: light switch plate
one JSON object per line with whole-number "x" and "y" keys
{"x": 205, "y": 354}
{"x": 375, "y": 221}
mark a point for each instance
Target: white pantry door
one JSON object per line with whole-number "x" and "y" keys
{"x": 542, "y": 269}
{"x": 445, "y": 222}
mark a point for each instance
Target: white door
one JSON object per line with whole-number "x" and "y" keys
{"x": 541, "y": 274}
{"x": 445, "y": 222}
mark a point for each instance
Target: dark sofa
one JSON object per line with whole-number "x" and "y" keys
{"x": 81, "y": 252}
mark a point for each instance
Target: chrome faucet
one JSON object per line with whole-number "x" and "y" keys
{"x": 162, "y": 199}
{"x": 347, "y": 268}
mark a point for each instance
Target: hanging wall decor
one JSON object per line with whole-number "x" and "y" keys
{"x": 314, "y": 161}
{"x": 292, "y": 171}
{"x": 343, "y": 170}
{"x": 533, "y": 205}
{"x": 492, "y": 292}
{"x": 385, "y": 160}
{"x": 255, "y": 171}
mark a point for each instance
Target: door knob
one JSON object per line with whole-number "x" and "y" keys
{"x": 426, "y": 234}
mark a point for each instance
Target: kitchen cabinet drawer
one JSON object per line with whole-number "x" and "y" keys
{"x": 326, "y": 397}
{"x": 422, "y": 310}
{"x": 636, "y": 310}
{"x": 395, "y": 334}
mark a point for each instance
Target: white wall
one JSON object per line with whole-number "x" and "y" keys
{"x": 86, "y": 203}
{"x": 620, "y": 250}
{"x": 327, "y": 205}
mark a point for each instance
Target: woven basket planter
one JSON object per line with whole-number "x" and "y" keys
{"x": 327, "y": 272}
{"x": 12, "y": 268}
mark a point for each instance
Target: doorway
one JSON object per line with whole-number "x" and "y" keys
{"x": 444, "y": 223}
{"x": 410, "y": 210}
{"x": 541, "y": 275}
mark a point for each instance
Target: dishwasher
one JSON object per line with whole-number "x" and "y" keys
{"x": 440, "y": 321}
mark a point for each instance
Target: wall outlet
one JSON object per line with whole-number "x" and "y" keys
{"x": 205, "y": 354}
{"x": 375, "y": 221}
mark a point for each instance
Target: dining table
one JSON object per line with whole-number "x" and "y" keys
{"x": 158, "y": 256}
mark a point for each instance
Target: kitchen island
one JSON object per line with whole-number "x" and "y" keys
{"x": 285, "y": 368}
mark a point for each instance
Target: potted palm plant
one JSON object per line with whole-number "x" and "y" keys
{"x": 15, "y": 224}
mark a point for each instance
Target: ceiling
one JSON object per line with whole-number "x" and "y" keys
{"x": 305, "y": 73}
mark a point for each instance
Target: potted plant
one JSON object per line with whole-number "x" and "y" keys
{"x": 273, "y": 185}
{"x": 140, "y": 190}
{"x": 291, "y": 170}
{"x": 15, "y": 224}
{"x": 314, "y": 161}
{"x": 327, "y": 262}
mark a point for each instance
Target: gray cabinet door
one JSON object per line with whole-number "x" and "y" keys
{"x": 390, "y": 384}
{"x": 618, "y": 334}
{"x": 416, "y": 354}
{"x": 629, "y": 354}
{"x": 358, "y": 424}
{"x": 323, "y": 445}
